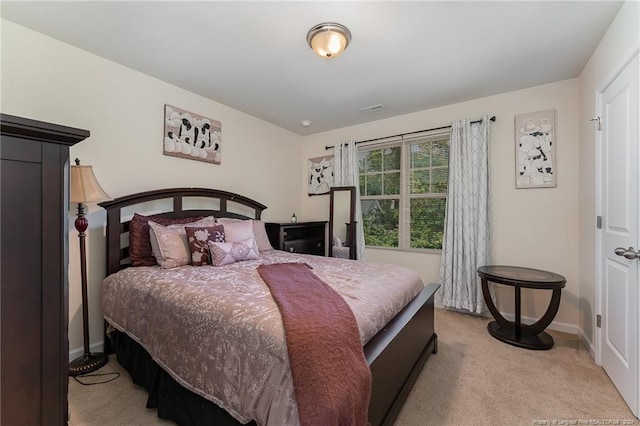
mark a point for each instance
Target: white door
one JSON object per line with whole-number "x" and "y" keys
{"x": 619, "y": 207}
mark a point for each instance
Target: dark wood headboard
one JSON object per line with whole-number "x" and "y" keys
{"x": 117, "y": 255}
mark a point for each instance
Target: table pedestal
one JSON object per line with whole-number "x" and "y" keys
{"x": 514, "y": 332}
{"x": 540, "y": 341}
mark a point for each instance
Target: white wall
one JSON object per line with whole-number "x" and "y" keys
{"x": 45, "y": 79}
{"x": 616, "y": 47}
{"x": 531, "y": 227}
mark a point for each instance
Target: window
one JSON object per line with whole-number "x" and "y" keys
{"x": 403, "y": 189}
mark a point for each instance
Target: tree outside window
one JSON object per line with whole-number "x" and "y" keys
{"x": 403, "y": 190}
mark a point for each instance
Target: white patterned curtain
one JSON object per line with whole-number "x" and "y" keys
{"x": 346, "y": 173}
{"x": 466, "y": 243}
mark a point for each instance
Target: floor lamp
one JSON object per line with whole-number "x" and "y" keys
{"x": 85, "y": 189}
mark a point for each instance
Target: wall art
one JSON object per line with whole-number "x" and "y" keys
{"x": 320, "y": 174}
{"x": 192, "y": 136}
{"x": 535, "y": 147}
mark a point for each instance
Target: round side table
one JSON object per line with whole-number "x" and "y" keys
{"x": 514, "y": 332}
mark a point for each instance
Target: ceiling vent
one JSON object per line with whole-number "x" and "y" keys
{"x": 372, "y": 108}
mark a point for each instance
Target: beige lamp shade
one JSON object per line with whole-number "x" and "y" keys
{"x": 329, "y": 39}
{"x": 85, "y": 187}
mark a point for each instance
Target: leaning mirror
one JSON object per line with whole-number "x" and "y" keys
{"x": 342, "y": 208}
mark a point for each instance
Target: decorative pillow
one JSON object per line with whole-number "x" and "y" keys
{"x": 169, "y": 243}
{"x": 173, "y": 249}
{"x": 236, "y": 229}
{"x": 198, "y": 238}
{"x": 231, "y": 252}
{"x": 140, "y": 251}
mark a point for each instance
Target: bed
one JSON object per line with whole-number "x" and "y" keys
{"x": 395, "y": 351}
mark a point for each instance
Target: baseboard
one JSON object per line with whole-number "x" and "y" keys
{"x": 587, "y": 343}
{"x": 95, "y": 347}
{"x": 555, "y": 325}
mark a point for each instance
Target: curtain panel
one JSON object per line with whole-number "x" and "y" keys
{"x": 466, "y": 243}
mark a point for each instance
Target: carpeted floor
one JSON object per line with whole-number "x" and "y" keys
{"x": 472, "y": 380}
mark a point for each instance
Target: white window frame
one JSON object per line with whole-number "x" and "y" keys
{"x": 405, "y": 196}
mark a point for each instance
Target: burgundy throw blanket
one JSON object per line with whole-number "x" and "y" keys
{"x": 331, "y": 378}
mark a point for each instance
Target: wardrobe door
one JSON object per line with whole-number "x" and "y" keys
{"x": 34, "y": 202}
{"x": 21, "y": 275}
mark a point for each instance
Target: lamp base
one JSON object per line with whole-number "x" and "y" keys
{"x": 87, "y": 363}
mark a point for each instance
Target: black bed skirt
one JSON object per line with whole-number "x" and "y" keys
{"x": 173, "y": 401}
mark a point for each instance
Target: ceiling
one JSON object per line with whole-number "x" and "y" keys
{"x": 407, "y": 56}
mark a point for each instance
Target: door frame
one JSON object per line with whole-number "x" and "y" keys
{"x": 599, "y": 296}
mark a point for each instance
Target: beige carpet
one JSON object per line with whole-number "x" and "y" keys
{"x": 472, "y": 380}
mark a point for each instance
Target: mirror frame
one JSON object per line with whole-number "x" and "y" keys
{"x": 352, "y": 212}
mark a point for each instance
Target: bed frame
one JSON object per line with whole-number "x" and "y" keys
{"x": 395, "y": 355}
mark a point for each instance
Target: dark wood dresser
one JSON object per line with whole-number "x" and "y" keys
{"x": 298, "y": 237}
{"x": 34, "y": 307}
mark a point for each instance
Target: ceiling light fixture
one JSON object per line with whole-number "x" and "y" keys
{"x": 329, "y": 39}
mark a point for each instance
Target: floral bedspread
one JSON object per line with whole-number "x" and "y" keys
{"x": 218, "y": 331}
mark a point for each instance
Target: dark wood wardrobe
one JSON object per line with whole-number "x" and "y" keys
{"x": 34, "y": 307}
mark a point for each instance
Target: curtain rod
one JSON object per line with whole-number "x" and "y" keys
{"x": 409, "y": 133}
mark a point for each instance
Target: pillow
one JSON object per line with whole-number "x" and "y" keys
{"x": 198, "y": 238}
{"x": 172, "y": 246}
{"x": 259, "y": 232}
{"x": 140, "y": 251}
{"x": 169, "y": 243}
{"x": 231, "y": 252}
{"x": 236, "y": 229}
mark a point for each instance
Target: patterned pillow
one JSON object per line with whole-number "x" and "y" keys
{"x": 226, "y": 253}
{"x": 169, "y": 243}
{"x": 173, "y": 248}
{"x": 198, "y": 238}
{"x": 140, "y": 251}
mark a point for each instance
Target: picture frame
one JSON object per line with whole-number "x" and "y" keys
{"x": 535, "y": 150}
{"x": 320, "y": 171}
{"x": 192, "y": 136}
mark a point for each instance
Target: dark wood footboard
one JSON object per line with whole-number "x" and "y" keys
{"x": 397, "y": 354}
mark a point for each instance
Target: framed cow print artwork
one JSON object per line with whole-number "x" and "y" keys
{"x": 320, "y": 174}
{"x": 192, "y": 136}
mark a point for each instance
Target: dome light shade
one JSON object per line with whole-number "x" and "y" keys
{"x": 328, "y": 39}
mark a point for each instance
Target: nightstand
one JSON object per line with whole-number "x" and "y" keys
{"x": 299, "y": 237}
